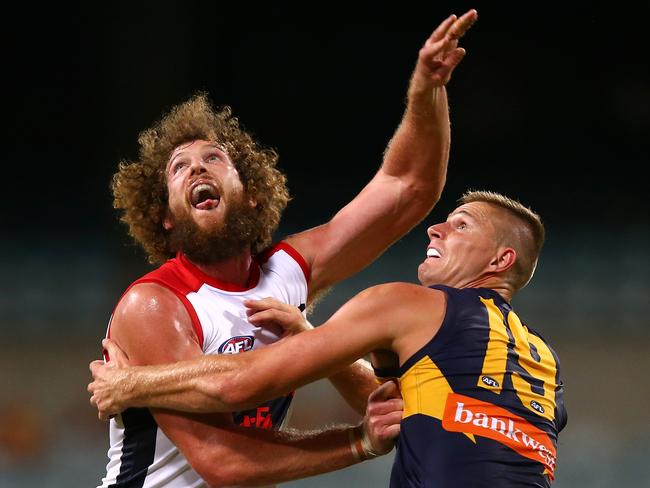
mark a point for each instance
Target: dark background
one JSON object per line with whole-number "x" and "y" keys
{"x": 551, "y": 106}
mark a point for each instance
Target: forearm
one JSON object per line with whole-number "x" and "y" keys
{"x": 419, "y": 150}
{"x": 226, "y": 383}
{"x": 355, "y": 383}
{"x": 188, "y": 386}
{"x": 262, "y": 457}
{"x": 420, "y": 147}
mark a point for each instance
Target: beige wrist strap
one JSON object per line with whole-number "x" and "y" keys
{"x": 360, "y": 444}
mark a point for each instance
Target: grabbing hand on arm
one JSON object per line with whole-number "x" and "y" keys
{"x": 225, "y": 383}
{"x": 153, "y": 326}
{"x": 270, "y": 312}
{"x": 116, "y": 386}
{"x": 110, "y": 381}
{"x": 381, "y": 425}
{"x": 354, "y": 382}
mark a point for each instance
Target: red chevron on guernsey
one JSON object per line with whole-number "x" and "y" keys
{"x": 471, "y": 416}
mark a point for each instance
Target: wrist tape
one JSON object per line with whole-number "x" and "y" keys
{"x": 360, "y": 444}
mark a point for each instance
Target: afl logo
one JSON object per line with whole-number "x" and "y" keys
{"x": 490, "y": 381}
{"x": 537, "y": 406}
{"x": 237, "y": 344}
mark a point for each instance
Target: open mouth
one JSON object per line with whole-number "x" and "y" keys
{"x": 433, "y": 253}
{"x": 204, "y": 196}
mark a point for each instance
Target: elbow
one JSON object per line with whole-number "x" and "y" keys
{"x": 228, "y": 393}
{"x": 428, "y": 195}
{"x": 215, "y": 474}
{"x": 223, "y": 471}
{"x": 421, "y": 196}
{"x": 222, "y": 478}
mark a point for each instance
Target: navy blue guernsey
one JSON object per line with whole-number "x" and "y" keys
{"x": 482, "y": 401}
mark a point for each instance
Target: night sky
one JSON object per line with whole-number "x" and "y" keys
{"x": 550, "y": 105}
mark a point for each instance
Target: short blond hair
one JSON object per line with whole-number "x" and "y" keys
{"x": 526, "y": 239}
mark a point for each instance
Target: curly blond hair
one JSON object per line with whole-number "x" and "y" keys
{"x": 140, "y": 188}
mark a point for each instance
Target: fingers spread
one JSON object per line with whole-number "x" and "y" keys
{"x": 454, "y": 57}
{"x": 266, "y": 316}
{"x": 453, "y": 27}
{"x": 265, "y": 303}
{"x": 433, "y": 49}
{"x": 462, "y": 25}
{"x": 441, "y": 30}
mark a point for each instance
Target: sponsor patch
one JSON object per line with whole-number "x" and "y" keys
{"x": 237, "y": 344}
{"x": 471, "y": 416}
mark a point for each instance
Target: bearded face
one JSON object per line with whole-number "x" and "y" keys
{"x": 227, "y": 238}
{"x": 210, "y": 216}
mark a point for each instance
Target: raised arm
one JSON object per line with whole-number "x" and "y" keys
{"x": 397, "y": 316}
{"x": 410, "y": 179}
{"x": 400, "y": 195}
{"x": 152, "y": 326}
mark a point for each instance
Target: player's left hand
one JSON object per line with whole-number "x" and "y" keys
{"x": 440, "y": 54}
{"x": 381, "y": 425}
{"x": 270, "y": 312}
{"x": 110, "y": 381}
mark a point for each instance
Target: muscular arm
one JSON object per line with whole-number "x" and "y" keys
{"x": 410, "y": 179}
{"x": 152, "y": 327}
{"x": 355, "y": 383}
{"x": 398, "y": 316}
{"x": 401, "y": 194}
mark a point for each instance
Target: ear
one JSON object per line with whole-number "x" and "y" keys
{"x": 252, "y": 201}
{"x": 503, "y": 260}
{"x": 167, "y": 221}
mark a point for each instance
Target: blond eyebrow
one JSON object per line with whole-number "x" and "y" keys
{"x": 465, "y": 212}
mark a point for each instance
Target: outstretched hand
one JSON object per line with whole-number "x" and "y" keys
{"x": 440, "y": 54}
{"x": 109, "y": 381}
{"x": 273, "y": 313}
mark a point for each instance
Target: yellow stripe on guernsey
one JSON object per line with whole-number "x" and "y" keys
{"x": 425, "y": 389}
{"x": 496, "y": 357}
{"x": 545, "y": 370}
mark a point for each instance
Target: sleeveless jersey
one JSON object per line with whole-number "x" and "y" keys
{"x": 483, "y": 401}
{"x": 140, "y": 454}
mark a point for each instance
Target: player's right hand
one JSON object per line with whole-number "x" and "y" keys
{"x": 110, "y": 381}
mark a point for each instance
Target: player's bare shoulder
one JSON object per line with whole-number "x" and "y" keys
{"x": 398, "y": 293}
{"x": 150, "y": 317}
{"x": 147, "y": 299}
{"x": 412, "y": 313}
{"x": 405, "y": 305}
